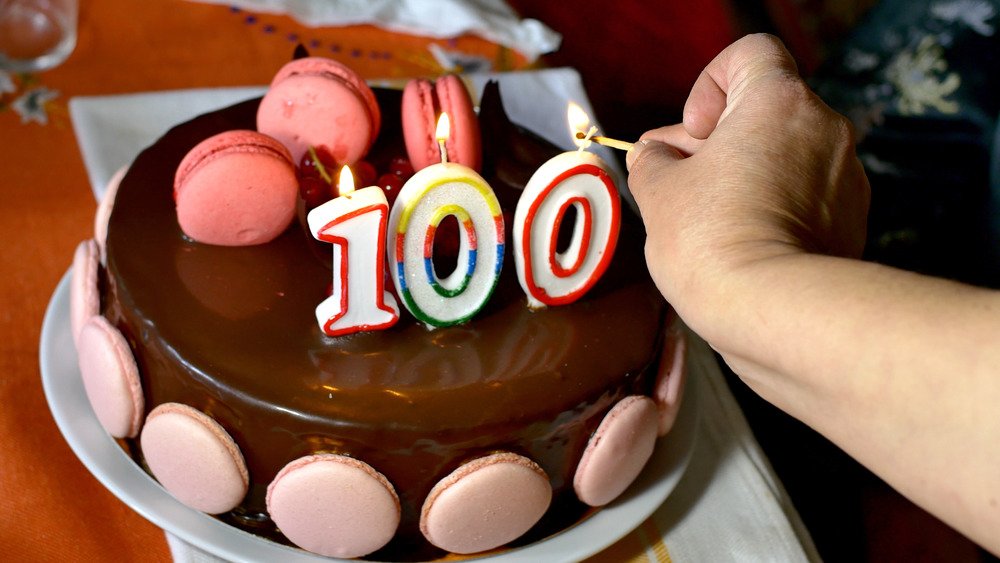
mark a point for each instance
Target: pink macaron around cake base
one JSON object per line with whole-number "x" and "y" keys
{"x": 618, "y": 450}
{"x": 485, "y": 503}
{"x": 318, "y": 102}
{"x": 110, "y": 377}
{"x": 334, "y": 505}
{"x": 194, "y": 458}
{"x": 237, "y": 188}
{"x": 668, "y": 390}
{"x": 84, "y": 295}
{"x": 104, "y": 207}
{"x": 423, "y": 102}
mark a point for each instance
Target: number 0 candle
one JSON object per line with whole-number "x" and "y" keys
{"x": 355, "y": 223}
{"x": 430, "y": 195}
{"x": 578, "y": 180}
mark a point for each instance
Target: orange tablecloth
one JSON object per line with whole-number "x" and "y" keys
{"x": 51, "y": 508}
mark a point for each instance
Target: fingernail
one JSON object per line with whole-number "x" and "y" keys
{"x": 633, "y": 153}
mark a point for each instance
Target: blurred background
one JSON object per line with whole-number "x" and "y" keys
{"x": 919, "y": 81}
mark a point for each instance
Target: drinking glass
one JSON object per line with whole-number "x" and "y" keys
{"x": 36, "y": 34}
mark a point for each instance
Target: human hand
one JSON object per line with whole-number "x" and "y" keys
{"x": 750, "y": 206}
{"x": 759, "y": 168}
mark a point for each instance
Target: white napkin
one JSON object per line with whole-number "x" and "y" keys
{"x": 534, "y": 99}
{"x": 111, "y": 130}
{"x": 490, "y": 19}
{"x": 728, "y": 506}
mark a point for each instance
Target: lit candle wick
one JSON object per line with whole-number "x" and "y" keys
{"x": 345, "y": 183}
{"x": 606, "y": 141}
{"x": 444, "y": 151}
{"x": 441, "y": 133}
{"x": 585, "y": 137}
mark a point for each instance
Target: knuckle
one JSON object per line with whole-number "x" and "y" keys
{"x": 842, "y": 129}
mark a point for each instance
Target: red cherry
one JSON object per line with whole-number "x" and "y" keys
{"x": 401, "y": 167}
{"x": 327, "y": 158}
{"x": 307, "y": 167}
{"x": 314, "y": 191}
{"x": 390, "y": 184}
{"x": 364, "y": 173}
{"x": 317, "y": 162}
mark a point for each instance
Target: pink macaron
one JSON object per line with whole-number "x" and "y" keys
{"x": 485, "y": 503}
{"x": 237, "y": 188}
{"x": 194, "y": 458}
{"x": 618, "y": 450}
{"x": 423, "y": 102}
{"x": 668, "y": 391}
{"x": 110, "y": 377}
{"x": 333, "y": 505}
{"x": 84, "y": 297}
{"x": 103, "y": 214}
{"x": 318, "y": 102}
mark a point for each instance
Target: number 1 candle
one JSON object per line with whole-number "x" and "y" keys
{"x": 430, "y": 195}
{"x": 576, "y": 179}
{"x": 355, "y": 223}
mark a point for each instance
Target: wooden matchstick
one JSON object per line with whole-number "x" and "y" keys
{"x": 606, "y": 141}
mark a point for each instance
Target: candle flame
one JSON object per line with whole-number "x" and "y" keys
{"x": 579, "y": 122}
{"x": 345, "y": 184}
{"x": 443, "y": 130}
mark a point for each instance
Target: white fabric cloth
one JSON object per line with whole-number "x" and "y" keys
{"x": 490, "y": 19}
{"x": 728, "y": 506}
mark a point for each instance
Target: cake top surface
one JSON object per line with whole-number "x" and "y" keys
{"x": 232, "y": 314}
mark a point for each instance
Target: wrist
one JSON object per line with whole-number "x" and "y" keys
{"x": 731, "y": 303}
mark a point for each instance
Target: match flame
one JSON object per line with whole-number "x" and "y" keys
{"x": 443, "y": 129}
{"x": 579, "y": 122}
{"x": 345, "y": 184}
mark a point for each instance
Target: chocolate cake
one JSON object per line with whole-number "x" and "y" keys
{"x": 231, "y": 332}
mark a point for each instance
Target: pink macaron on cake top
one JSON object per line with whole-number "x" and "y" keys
{"x": 320, "y": 103}
{"x": 423, "y": 102}
{"x": 237, "y": 188}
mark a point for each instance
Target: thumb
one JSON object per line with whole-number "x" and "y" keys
{"x": 725, "y": 82}
{"x": 649, "y": 163}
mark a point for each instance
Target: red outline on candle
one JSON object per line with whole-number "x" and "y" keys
{"x": 379, "y": 271}
{"x": 529, "y": 276}
{"x": 588, "y": 218}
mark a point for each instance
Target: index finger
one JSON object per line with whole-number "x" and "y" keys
{"x": 675, "y": 136}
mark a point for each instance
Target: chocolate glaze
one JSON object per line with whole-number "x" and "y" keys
{"x": 232, "y": 332}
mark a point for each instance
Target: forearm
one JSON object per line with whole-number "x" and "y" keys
{"x": 745, "y": 204}
{"x": 900, "y": 370}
